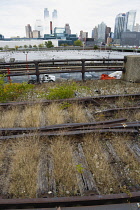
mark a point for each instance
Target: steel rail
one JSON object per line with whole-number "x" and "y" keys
{"x": 71, "y": 133}
{"x": 118, "y": 109}
{"x": 56, "y": 127}
{"x": 93, "y": 99}
{"x": 132, "y": 197}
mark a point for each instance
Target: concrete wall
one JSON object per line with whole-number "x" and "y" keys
{"x": 132, "y": 68}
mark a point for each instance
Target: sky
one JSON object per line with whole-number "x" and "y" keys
{"x": 80, "y": 14}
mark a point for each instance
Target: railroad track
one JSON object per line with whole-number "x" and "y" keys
{"x": 88, "y": 174}
{"x": 95, "y": 100}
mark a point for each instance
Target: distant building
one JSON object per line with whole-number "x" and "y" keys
{"x": 119, "y": 25}
{"x": 46, "y": 22}
{"x": 130, "y": 38}
{"x": 46, "y": 13}
{"x": 89, "y": 42}
{"x": 129, "y": 20}
{"x": 59, "y": 33}
{"x": 95, "y": 33}
{"x": 107, "y": 33}
{"x": 1, "y": 37}
{"x": 54, "y": 13}
{"x": 101, "y": 32}
{"x": 109, "y": 40}
{"x": 39, "y": 27}
{"x": 67, "y": 29}
{"x": 28, "y": 30}
{"x": 137, "y": 27}
{"x": 36, "y": 34}
{"x": 83, "y": 35}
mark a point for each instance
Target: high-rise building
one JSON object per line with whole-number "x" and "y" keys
{"x": 54, "y": 13}
{"x": 67, "y": 29}
{"x": 83, "y": 35}
{"x": 39, "y": 27}
{"x": 129, "y": 20}
{"x": 101, "y": 32}
{"x": 54, "y": 19}
{"x": 107, "y": 33}
{"x": 119, "y": 25}
{"x": 46, "y": 23}
{"x": 95, "y": 33}
{"x": 28, "y": 30}
{"x": 46, "y": 13}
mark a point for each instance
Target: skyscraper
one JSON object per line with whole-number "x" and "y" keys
{"x": 95, "y": 33}
{"x": 129, "y": 20}
{"x": 107, "y": 33}
{"x": 54, "y": 13}
{"x": 39, "y": 27}
{"x": 67, "y": 29}
{"x": 101, "y": 32}
{"x": 54, "y": 19}
{"x": 119, "y": 25}
{"x": 83, "y": 35}
{"x": 46, "y": 23}
{"x": 46, "y": 13}
{"x": 28, "y": 30}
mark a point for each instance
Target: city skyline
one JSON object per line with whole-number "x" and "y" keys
{"x": 80, "y": 15}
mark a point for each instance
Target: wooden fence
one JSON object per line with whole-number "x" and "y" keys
{"x": 82, "y": 66}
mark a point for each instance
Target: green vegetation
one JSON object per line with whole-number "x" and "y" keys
{"x": 95, "y": 47}
{"x": 78, "y": 43}
{"x": 11, "y": 91}
{"x": 49, "y": 44}
{"x": 41, "y": 45}
{"x": 25, "y": 46}
{"x": 62, "y": 91}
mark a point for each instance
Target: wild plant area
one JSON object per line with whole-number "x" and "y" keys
{"x": 69, "y": 166}
{"x": 40, "y": 165}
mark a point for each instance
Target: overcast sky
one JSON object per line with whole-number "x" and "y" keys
{"x": 80, "y": 14}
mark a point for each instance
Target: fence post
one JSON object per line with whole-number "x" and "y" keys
{"x": 83, "y": 70}
{"x": 37, "y": 72}
{"x": 132, "y": 68}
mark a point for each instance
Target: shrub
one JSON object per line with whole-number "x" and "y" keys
{"x": 10, "y": 92}
{"x": 62, "y": 92}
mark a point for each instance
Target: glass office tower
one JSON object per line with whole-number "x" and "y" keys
{"x": 119, "y": 25}
{"x": 46, "y": 13}
{"x": 129, "y": 20}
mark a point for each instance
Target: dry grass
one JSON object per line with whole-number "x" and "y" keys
{"x": 136, "y": 116}
{"x": 64, "y": 169}
{"x": 99, "y": 165}
{"x": 31, "y": 116}
{"x": 9, "y": 118}
{"x": 23, "y": 174}
{"x": 54, "y": 114}
{"x": 132, "y": 166}
{"x": 77, "y": 113}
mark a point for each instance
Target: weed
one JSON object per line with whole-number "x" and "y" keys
{"x": 80, "y": 168}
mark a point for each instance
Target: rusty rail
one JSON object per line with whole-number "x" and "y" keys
{"x": 132, "y": 197}
{"x": 93, "y": 99}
